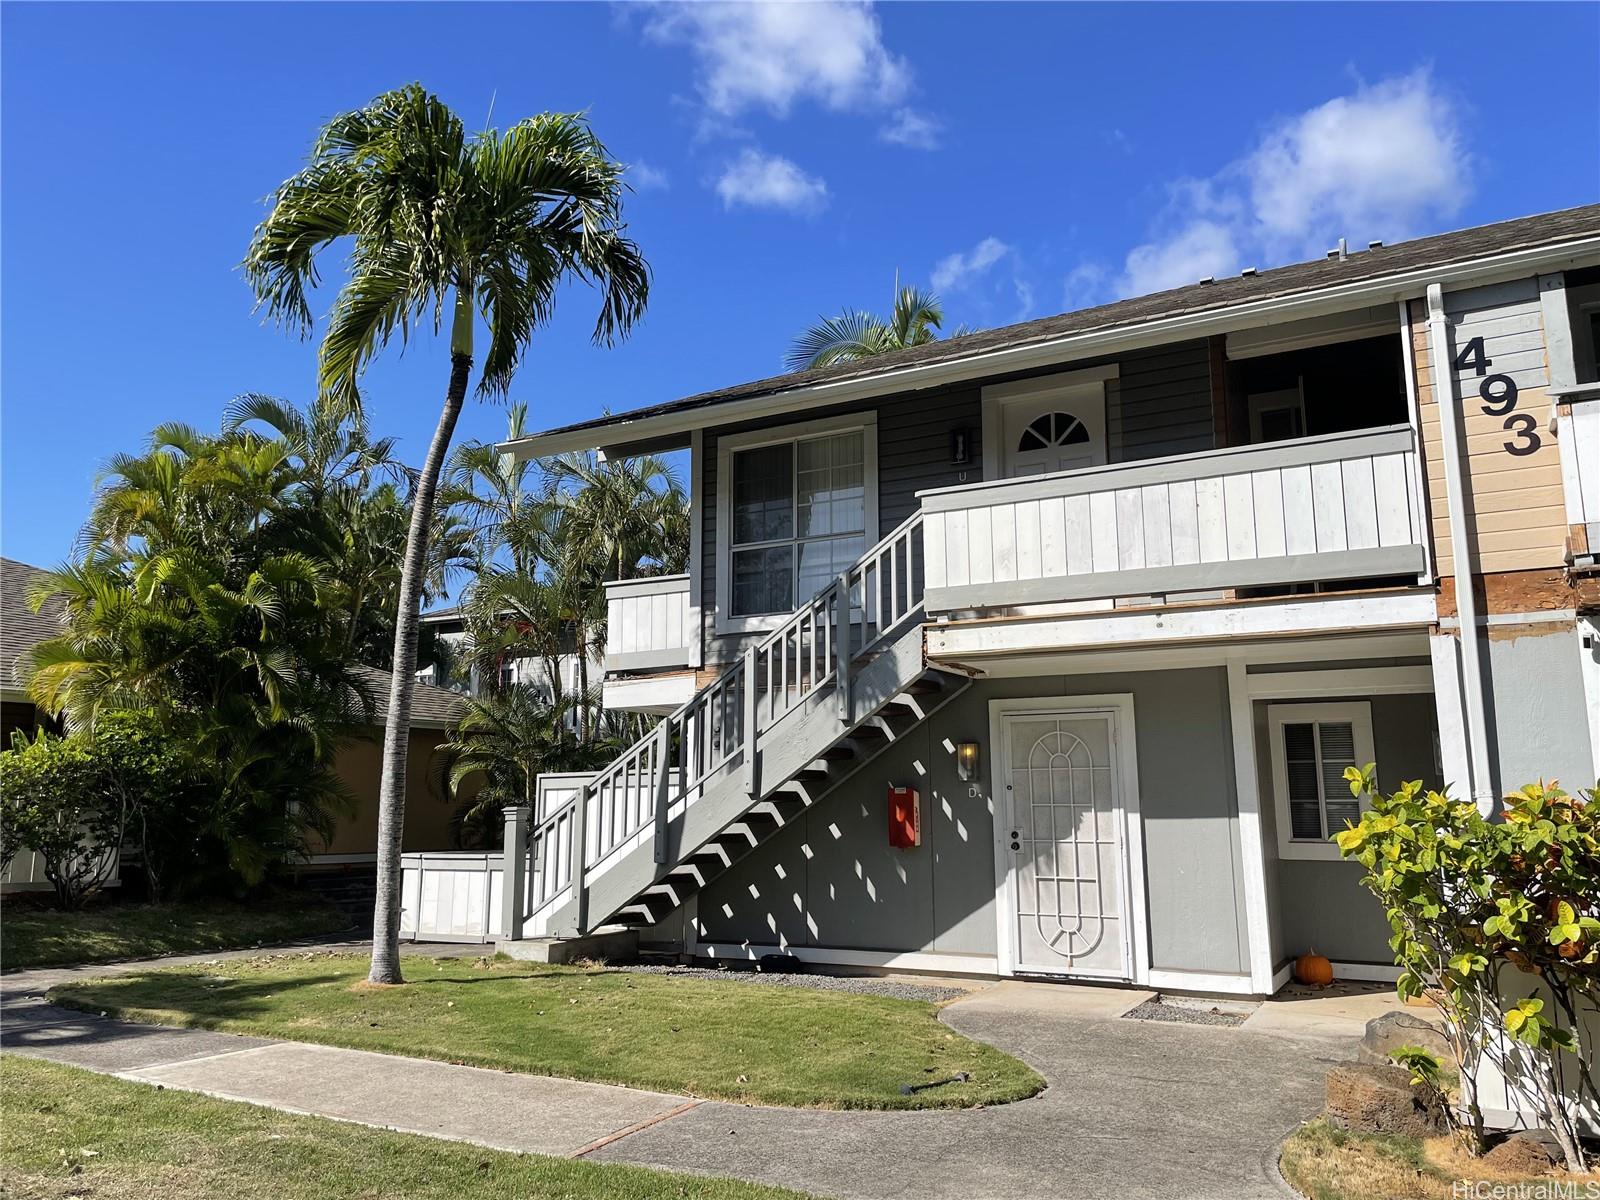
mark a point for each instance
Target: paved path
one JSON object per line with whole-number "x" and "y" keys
{"x": 1134, "y": 1108}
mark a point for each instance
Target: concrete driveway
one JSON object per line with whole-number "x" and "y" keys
{"x": 1133, "y": 1108}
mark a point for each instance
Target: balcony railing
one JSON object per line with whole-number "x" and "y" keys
{"x": 647, "y": 624}
{"x": 1344, "y": 506}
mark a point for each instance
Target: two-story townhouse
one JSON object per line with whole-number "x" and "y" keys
{"x": 1042, "y": 650}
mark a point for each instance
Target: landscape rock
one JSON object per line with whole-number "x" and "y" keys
{"x": 1523, "y": 1154}
{"x": 1371, "y": 1098}
{"x": 1396, "y": 1029}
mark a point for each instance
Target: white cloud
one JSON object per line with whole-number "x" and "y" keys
{"x": 1199, "y": 249}
{"x": 908, "y": 127}
{"x": 1383, "y": 162}
{"x": 1084, "y": 286}
{"x": 1117, "y": 140}
{"x": 954, "y": 271}
{"x": 770, "y": 55}
{"x": 760, "y": 180}
{"x": 644, "y": 177}
{"x": 1370, "y": 165}
{"x": 1024, "y": 291}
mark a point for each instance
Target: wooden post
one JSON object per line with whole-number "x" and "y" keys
{"x": 663, "y": 792}
{"x": 580, "y": 839}
{"x": 841, "y": 647}
{"x": 514, "y": 871}
{"x": 748, "y": 733}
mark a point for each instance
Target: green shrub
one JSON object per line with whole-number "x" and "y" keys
{"x": 57, "y": 802}
{"x": 1498, "y": 923}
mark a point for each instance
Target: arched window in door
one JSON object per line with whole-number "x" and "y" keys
{"x": 1052, "y": 429}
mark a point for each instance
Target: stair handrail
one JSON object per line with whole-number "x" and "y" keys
{"x": 723, "y": 719}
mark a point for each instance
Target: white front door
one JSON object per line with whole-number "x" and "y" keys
{"x": 1059, "y": 430}
{"x": 1067, "y": 903}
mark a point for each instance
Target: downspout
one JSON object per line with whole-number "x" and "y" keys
{"x": 1444, "y": 390}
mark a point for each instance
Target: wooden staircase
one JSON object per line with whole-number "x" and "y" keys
{"x": 789, "y": 799}
{"x": 805, "y": 708}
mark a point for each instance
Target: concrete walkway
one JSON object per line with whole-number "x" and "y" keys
{"x": 1134, "y": 1108}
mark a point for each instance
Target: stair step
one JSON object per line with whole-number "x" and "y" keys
{"x": 754, "y": 820}
{"x": 782, "y": 806}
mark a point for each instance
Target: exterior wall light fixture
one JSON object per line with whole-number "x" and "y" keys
{"x": 967, "y": 761}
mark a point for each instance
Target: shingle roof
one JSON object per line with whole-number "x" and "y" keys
{"x": 1277, "y": 283}
{"x": 21, "y": 629}
{"x": 430, "y": 706}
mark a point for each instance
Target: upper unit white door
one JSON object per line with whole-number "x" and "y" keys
{"x": 1059, "y": 430}
{"x": 1068, "y": 903}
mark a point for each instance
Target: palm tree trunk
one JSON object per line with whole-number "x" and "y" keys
{"x": 397, "y": 727}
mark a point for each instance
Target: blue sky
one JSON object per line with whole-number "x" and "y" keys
{"x": 1023, "y": 158}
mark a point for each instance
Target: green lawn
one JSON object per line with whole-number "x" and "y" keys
{"x": 31, "y": 936}
{"x": 703, "y": 1037}
{"x": 73, "y": 1134}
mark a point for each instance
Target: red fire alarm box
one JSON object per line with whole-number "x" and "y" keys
{"x": 905, "y": 817}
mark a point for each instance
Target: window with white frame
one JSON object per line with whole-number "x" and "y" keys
{"x": 1312, "y": 745}
{"x": 795, "y": 508}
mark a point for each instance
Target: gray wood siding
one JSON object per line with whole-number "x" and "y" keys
{"x": 913, "y": 454}
{"x": 1161, "y": 404}
{"x": 914, "y": 450}
{"x": 832, "y": 880}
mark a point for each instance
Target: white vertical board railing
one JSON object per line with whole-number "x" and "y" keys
{"x": 1342, "y": 506}
{"x": 450, "y": 896}
{"x": 1577, "y": 426}
{"x": 647, "y": 623}
{"x": 715, "y": 732}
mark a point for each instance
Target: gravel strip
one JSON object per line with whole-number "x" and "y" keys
{"x": 861, "y": 985}
{"x": 1155, "y": 1010}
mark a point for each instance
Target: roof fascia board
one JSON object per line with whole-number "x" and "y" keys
{"x": 1404, "y": 285}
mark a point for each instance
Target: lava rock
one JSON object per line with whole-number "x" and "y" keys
{"x": 1395, "y": 1029}
{"x": 1523, "y": 1154}
{"x": 1371, "y": 1098}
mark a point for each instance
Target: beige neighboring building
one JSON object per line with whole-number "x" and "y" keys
{"x": 429, "y": 808}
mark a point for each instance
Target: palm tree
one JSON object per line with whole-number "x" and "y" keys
{"x": 485, "y": 225}
{"x": 489, "y": 492}
{"x": 332, "y": 443}
{"x": 915, "y": 320}
{"x": 627, "y": 515}
{"x": 199, "y": 604}
{"x": 504, "y": 741}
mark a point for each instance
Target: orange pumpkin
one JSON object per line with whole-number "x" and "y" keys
{"x": 1313, "y": 969}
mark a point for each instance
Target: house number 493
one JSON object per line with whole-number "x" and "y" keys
{"x": 1499, "y": 396}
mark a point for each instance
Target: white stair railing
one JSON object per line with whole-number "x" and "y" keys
{"x": 718, "y": 727}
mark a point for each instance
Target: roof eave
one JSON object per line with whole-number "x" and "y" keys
{"x": 1402, "y": 285}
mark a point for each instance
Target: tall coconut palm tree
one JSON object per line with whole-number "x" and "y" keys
{"x": 854, "y": 334}
{"x": 486, "y": 225}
